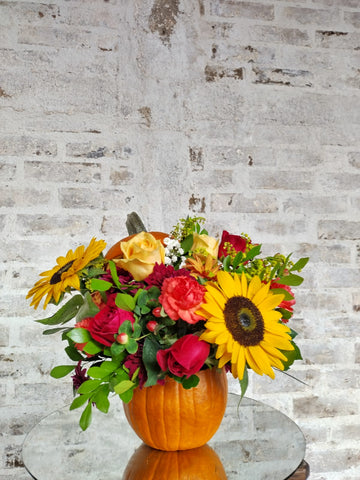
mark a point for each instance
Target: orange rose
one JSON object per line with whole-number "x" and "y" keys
{"x": 140, "y": 254}
{"x": 203, "y": 244}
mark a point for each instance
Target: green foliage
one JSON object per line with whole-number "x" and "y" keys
{"x": 244, "y": 382}
{"x": 61, "y": 371}
{"x": 65, "y": 313}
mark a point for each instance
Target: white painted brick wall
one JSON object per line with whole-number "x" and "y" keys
{"x": 246, "y": 112}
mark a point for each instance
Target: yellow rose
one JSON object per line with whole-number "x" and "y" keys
{"x": 204, "y": 244}
{"x": 140, "y": 254}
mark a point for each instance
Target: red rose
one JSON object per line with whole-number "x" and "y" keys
{"x": 106, "y": 324}
{"x": 185, "y": 357}
{"x": 231, "y": 244}
{"x": 181, "y": 297}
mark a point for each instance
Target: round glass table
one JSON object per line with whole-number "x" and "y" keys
{"x": 254, "y": 441}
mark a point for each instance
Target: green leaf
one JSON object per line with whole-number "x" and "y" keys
{"x": 123, "y": 386}
{"x": 73, "y": 353}
{"x": 190, "y": 382}
{"x": 149, "y": 358}
{"x": 100, "y": 285}
{"x": 117, "y": 349}
{"x": 126, "y": 327}
{"x": 89, "y": 386}
{"x": 291, "y": 280}
{"x": 101, "y": 399}
{"x": 127, "y": 396}
{"x": 282, "y": 291}
{"x": 125, "y": 302}
{"x": 79, "y": 401}
{"x": 131, "y": 346}
{"x": 50, "y": 331}
{"x": 88, "y": 308}
{"x": 300, "y": 264}
{"x": 79, "y": 335}
{"x": 65, "y": 313}
{"x": 253, "y": 252}
{"x": 237, "y": 259}
{"x": 227, "y": 263}
{"x": 105, "y": 369}
{"x": 114, "y": 274}
{"x": 92, "y": 348}
{"x": 291, "y": 356}
{"x": 187, "y": 243}
{"x": 244, "y": 383}
{"x": 86, "y": 416}
{"x": 61, "y": 371}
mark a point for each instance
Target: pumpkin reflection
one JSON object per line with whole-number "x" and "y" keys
{"x": 196, "y": 464}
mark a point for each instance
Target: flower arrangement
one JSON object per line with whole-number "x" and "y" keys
{"x": 160, "y": 305}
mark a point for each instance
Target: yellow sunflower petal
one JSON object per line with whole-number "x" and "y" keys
{"x": 224, "y": 359}
{"x": 270, "y": 302}
{"x": 226, "y": 283}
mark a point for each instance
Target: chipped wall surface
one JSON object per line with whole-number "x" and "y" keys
{"x": 246, "y": 112}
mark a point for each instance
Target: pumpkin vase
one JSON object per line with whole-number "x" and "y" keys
{"x": 197, "y": 464}
{"x": 168, "y": 417}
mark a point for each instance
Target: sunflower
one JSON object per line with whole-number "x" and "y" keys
{"x": 243, "y": 322}
{"x": 65, "y": 275}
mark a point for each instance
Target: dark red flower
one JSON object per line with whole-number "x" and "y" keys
{"x": 133, "y": 362}
{"x": 79, "y": 376}
{"x": 285, "y": 304}
{"x": 231, "y": 244}
{"x": 106, "y": 323}
{"x": 161, "y": 271}
{"x": 185, "y": 357}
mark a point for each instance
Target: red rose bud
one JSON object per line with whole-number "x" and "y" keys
{"x": 156, "y": 312}
{"x": 151, "y": 325}
{"x": 122, "y": 338}
{"x": 231, "y": 244}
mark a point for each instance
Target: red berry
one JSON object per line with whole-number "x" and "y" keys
{"x": 157, "y": 312}
{"x": 151, "y": 325}
{"x": 122, "y": 338}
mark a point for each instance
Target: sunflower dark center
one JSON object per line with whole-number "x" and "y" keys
{"x": 56, "y": 278}
{"x": 244, "y": 321}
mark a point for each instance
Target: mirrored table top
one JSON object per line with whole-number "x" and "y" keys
{"x": 254, "y": 442}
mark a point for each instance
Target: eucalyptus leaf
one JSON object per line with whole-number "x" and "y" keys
{"x": 65, "y": 313}
{"x": 50, "y": 331}
{"x": 73, "y": 353}
{"x": 88, "y": 308}
{"x": 101, "y": 399}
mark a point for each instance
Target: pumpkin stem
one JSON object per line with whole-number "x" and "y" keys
{"x": 134, "y": 224}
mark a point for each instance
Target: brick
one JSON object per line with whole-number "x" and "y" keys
{"x": 26, "y": 145}
{"x": 236, "y": 202}
{"x": 330, "y": 254}
{"x": 323, "y": 407}
{"x": 281, "y": 180}
{"x": 34, "y": 393}
{"x": 340, "y": 181}
{"x": 282, "y": 76}
{"x": 29, "y": 12}
{"x": 311, "y": 16}
{"x": 4, "y": 337}
{"x": 215, "y": 178}
{"x": 214, "y": 73}
{"x": 277, "y": 228}
{"x": 67, "y": 37}
{"x": 99, "y": 150}
{"x": 321, "y": 205}
{"x": 272, "y": 34}
{"x": 79, "y": 198}
{"x": 55, "y": 172}
{"x": 354, "y": 159}
{"x": 338, "y": 352}
{"x": 7, "y": 171}
{"x": 97, "y": 15}
{"x": 43, "y": 224}
{"x": 196, "y": 159}
{"x": 353, "y": 18}
{"x": 19, "y": 197}
{"x": 340, "y": 460}
{"x": 339, "y": 230}
{"x": 121, "y": 176}
{"x": 231, "y": 8}
{"x": 337, "y": 39}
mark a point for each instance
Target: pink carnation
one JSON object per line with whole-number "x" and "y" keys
{"x": 181, "y": 297}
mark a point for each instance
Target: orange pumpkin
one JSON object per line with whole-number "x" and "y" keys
{"x": 116, "y": 252}
{"x": 197, "y": 464}
{"x": 169, "y": 417}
